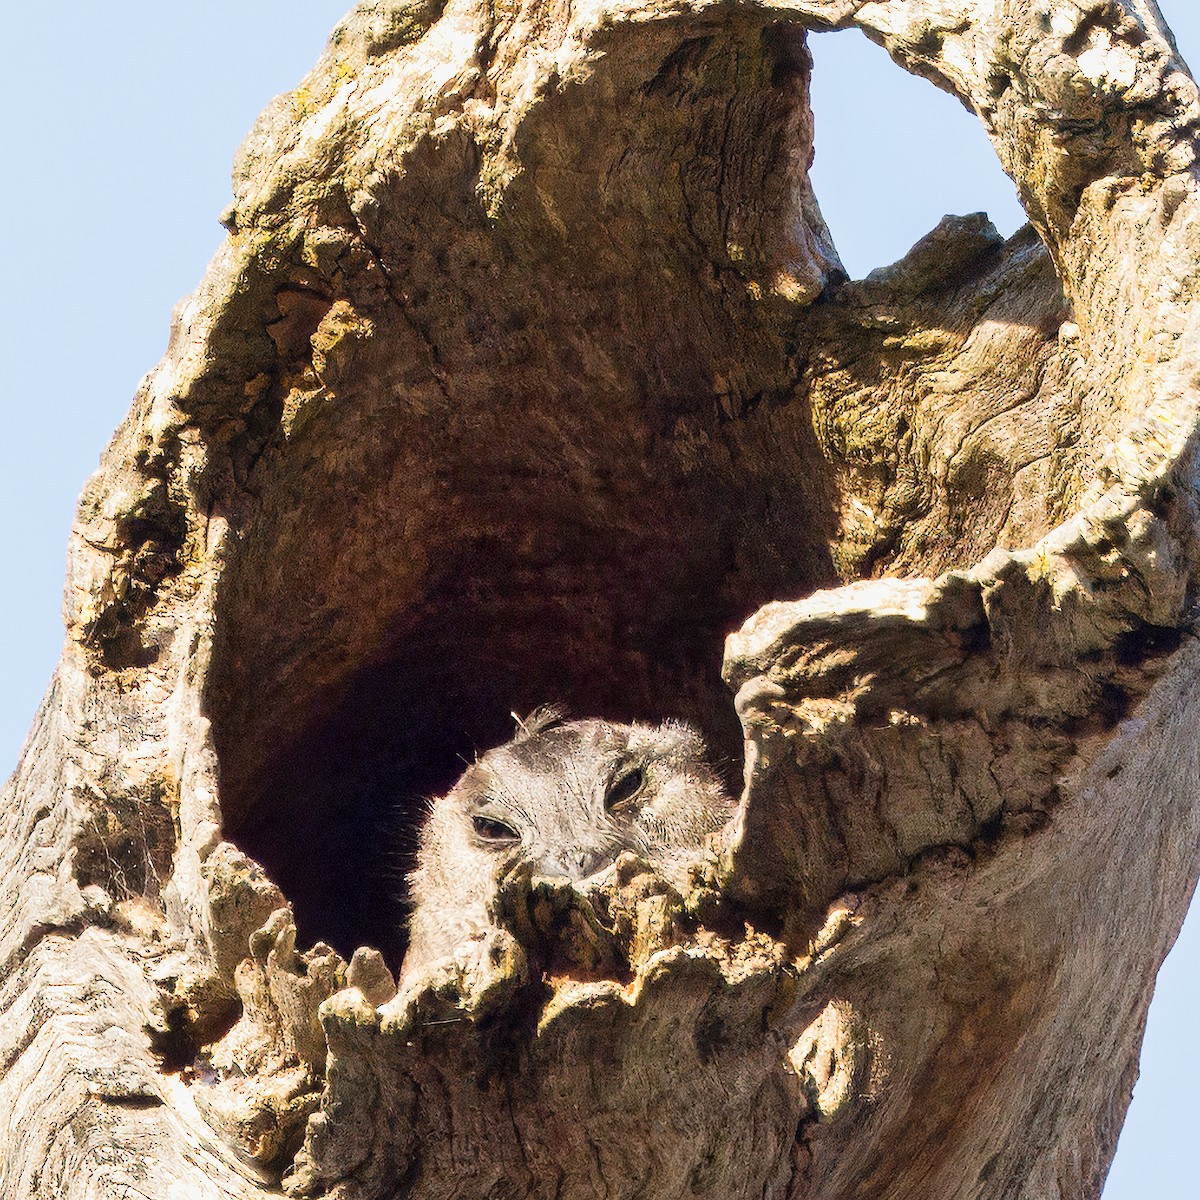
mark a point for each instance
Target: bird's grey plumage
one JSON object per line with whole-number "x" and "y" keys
{"x": 566, "y": 798}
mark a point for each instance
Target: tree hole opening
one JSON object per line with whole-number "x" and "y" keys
{"x": 613, "y": 604}
{"x": 894, "y": 155}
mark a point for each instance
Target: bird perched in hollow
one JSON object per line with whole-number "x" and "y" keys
{"x": 566, "y": 798}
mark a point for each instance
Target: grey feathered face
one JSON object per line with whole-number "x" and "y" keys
{"x": 568, "y": 798}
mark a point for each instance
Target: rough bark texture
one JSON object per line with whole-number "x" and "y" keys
{"x": 527, "y": 372}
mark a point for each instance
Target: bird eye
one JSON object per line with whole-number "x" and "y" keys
{"x": 488, "y": 829}
{"x": 624, "y": 788}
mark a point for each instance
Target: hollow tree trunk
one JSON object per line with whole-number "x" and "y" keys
{"x": 527, "y": 373}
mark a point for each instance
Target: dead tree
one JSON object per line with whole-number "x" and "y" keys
{"x": 528, "y": 372}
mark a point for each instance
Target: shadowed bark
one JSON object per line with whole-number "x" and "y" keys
{"x": 528, "y": 372}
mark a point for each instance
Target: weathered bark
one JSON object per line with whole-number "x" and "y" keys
{"x": 527, "y": 372}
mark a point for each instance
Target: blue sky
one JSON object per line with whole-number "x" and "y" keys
{"x": 119, "y": 133}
